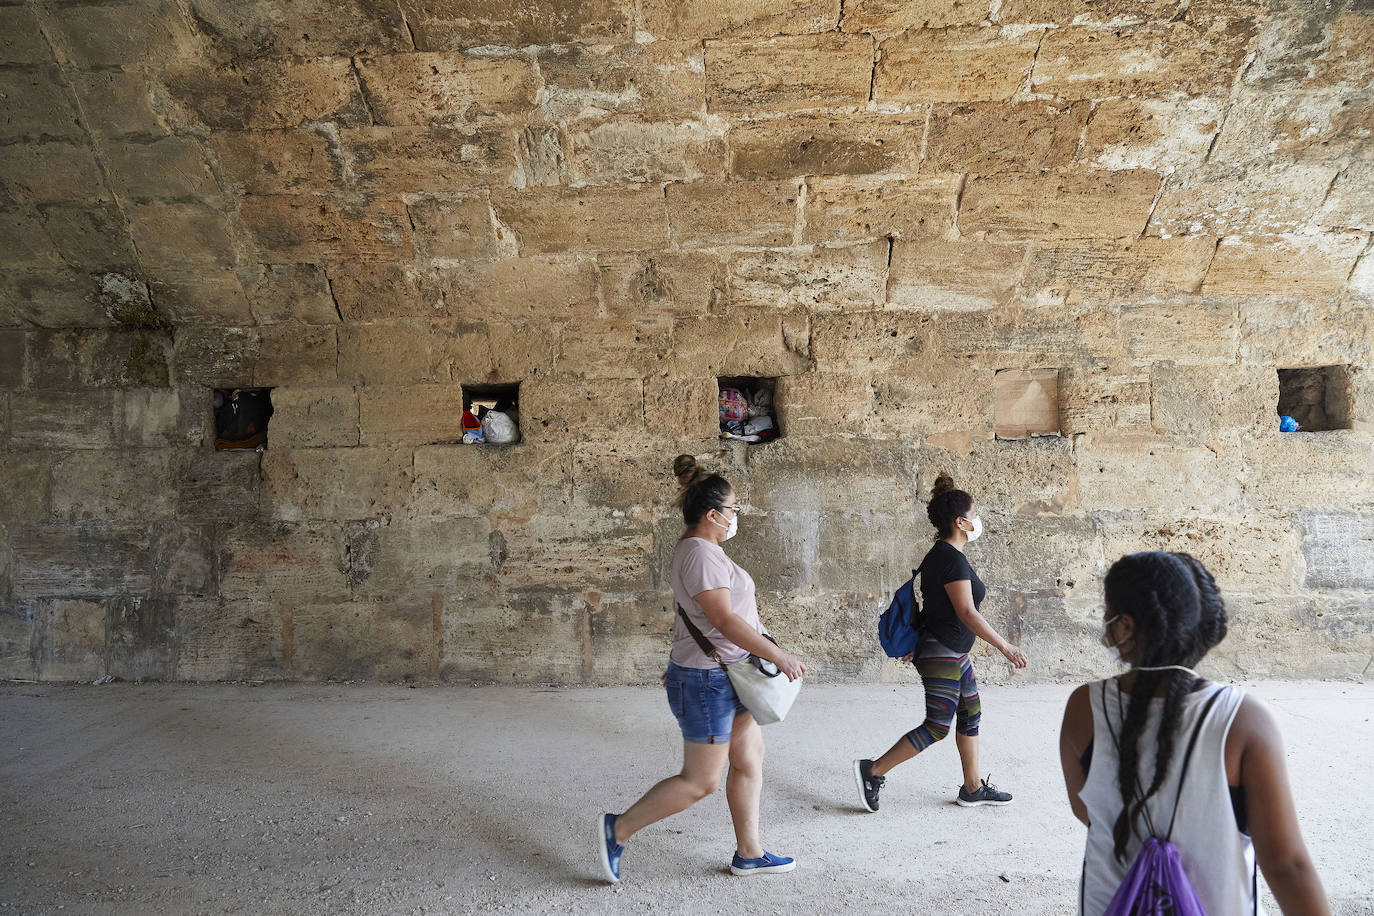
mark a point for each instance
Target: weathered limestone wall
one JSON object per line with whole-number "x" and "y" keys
{"x": 366, "y": 204}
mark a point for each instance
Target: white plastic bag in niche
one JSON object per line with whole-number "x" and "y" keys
{"x": 499, "y": 428}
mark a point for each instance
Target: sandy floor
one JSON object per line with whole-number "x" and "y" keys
{"x": 346, "y": 799}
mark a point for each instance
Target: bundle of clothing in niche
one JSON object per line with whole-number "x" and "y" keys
{"x": 746, "y": 414}
{"x": 498, "y": 426}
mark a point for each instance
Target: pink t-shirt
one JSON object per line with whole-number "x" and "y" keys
{"x": 699, "y": 566}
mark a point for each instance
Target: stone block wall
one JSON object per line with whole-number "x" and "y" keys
{"x": 367, "y": 204}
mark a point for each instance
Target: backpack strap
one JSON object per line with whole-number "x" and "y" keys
{"x": 1188, "y": 756}
{"x": 706, "y": 648}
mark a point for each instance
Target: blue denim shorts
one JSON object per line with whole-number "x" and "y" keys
{"x": 704, "y": 702}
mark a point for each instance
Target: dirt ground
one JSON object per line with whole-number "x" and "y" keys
{"x": 349, "y": 799}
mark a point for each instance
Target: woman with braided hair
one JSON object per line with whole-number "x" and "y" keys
{"x": 1125, "y": 741}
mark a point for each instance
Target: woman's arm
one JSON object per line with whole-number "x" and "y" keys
{"x": 1279, "y": 848}
{"x": 1075, "y": 734}
{"x": 960, "y": 594}
{"x": 715, "y": 604}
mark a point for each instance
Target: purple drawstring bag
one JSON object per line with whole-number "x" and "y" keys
{"x": 1156, "y": 884}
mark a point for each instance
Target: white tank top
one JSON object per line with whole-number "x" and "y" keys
{"x": 1218, "y": 859}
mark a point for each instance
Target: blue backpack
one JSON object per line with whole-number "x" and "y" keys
{"x": 899, "y": 627}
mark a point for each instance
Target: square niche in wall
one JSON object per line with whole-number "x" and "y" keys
{"x": 241, "y": 418}
{"x": 491, "y": 414}
{"x": 1319, "y": 398}
{"x": 748, "y": 409}
{"x": 1026, "y": 403}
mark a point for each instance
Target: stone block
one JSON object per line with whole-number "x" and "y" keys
{"x": 551, "y": 551}
{"x": 1070, "y": 12}
{"x": 119, "y": 34}
{"x": 1322, "y": 470}
{"x": 297, "y": 355}
{"x": 758, "y": 343}
{"x": 362, "y": 641}
{"x": 65, "y": 298}
{"x": 12, "y": 348}
{"x": 21, "y": 42}
{"x": 91, "y": 236}
{"x": 951, "y": 410}
{"x": 1104, "y": 398}
{"x": 37, "y": 106}
{"x": 537, "y": 635}
{"x": 523, "y": 289}
{"x": 710, "y": 214}
{"x": 1123, "y": 472}
{"x": 788, "y": 477}
{"x": 1039, "y": 558}
{"x": 1338, "y": 549}
{"x": 1089, "y": 62}
{"x": 556, "y": 409}
{"x": 238, "y": 29}
{"x": 314, "y": 417}
{"x": 417, "y": 557}
{"x": 443, "y": 25}
{"x": 444, "y": 89}
{"x": 189, "y": 295}
{"x": 80, "y": 560}
{"x": 1265, "y": 127}
{"x": 1095, "y": 204}
{"x": 1188, "y": 335}
{"x": 91, "y": 485}
{"x": 268, "y": 94}
{"x": 633, "y": 151}
{"x": 815, "y": 145}
{"x": 395, "y": 353}
{"x": 815, "y": 277}
{"x": 413, "y": 415}
{"x": 285, "y": 293}
{"x": 665, "y": 78}
{"x": 1204, "y": 402}
{"x": 218, "y": 486}
{"x": 430, "y": 159}
{"x": 469, "y": 480}
{"x": 24, "y": 243}
{"x": 1137, "y": 270}
{"x": 79, "y": 360}
{"x": 1279, "y": 333}
{"x": 453, "y": 228}
{"x": 118, "y": 103}
{"x": 25, "y": 491}
{"x": 961, "y": 64}
{"x": 1294, "y": 267}
{"x": 818, "y": 403}
{"x": 682, "y": 408}
{"x": 1268, "y": 199}
{"x": 696, "y": 19}
{"x": 557, "y": 220}
{"x": 216, "y": 357}
{"x": 660, "y": 284}
{"x": 1349, "y": 205}
{"x": 168, "y": 168}
{"x": 283, "y": 562}
{"x": 1020, "y": 479}
{"x": 889, "y": 16}
{"x": 291, "y": 228}
{"x": 69, "y": 639}
{"x": 161, "y": 417}
{"x": 220, "y": 640}
{"x": 47, "y": 172}
{"x": 66, "y": 420}
{"x": 963, "y": 275}
{"x": 988, "y": 137}
{"x": 178, "y": 234}
{"x": 788, "y": 73}
{"x": 335, "y": 483}
{"x": 277, "y": 161}
{"x": 585, "y": 349}
{"x": 1160, "y": 134}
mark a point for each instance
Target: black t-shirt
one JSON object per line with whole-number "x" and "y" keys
{"x": 946, "y": 563}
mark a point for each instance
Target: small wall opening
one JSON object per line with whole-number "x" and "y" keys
{"x": 241, "y": 418}
{"x": 1026, "y": 403}
{"x": 1318, "y": 398}
{"x": 748, "y": 409}
{"x": 491, "y": 414}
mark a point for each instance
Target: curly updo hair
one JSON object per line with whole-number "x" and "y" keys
{"x": 701, "y": 491}
{"x": 946, "y": 505}
{"x": 1178, "y": 616}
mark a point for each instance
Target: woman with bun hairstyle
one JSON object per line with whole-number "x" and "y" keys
{"x": 1125, "y": 740}
{"x": 717, "y": 595}
{"x": 950, "y": 595}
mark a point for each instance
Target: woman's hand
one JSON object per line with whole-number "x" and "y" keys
{"x": 1015, "y": 656}
{"x": 789, "y": 665}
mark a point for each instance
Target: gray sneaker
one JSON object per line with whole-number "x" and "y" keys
{"x": 986, "y": 794}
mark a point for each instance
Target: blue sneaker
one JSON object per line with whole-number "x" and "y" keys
{"x": 768, "y": 863}
{"x": 609, "y": 849}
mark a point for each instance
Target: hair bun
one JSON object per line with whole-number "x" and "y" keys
{"x": 943, "y": 484}
{"x": 685, "y": 469}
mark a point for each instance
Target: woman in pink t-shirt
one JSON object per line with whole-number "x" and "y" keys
{"x": 717, "y": 596}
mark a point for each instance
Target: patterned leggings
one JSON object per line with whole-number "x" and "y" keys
{"x": 951, "y": 692}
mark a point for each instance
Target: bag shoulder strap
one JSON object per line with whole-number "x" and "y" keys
{"x": 1188, "y": 756}
{"x": 706, "y": 648}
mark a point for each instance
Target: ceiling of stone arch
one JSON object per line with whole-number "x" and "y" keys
{"x": 210, "y": 163}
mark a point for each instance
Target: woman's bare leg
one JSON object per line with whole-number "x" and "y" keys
{"x": 701, "y": 766}
{"x": 744, "y": 784}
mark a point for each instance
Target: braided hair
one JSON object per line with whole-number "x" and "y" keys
{"x": 1179, "y": 616}
{"x": 946, "y": 505}
{"x": 701, "y": 491}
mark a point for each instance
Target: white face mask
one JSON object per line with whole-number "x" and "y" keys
{"x": 1113, "y": 648}
{"x": 977, "y": 529}
{"x": 730, "y": 529}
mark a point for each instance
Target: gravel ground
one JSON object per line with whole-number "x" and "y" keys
{"x": 346, "y": 799}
